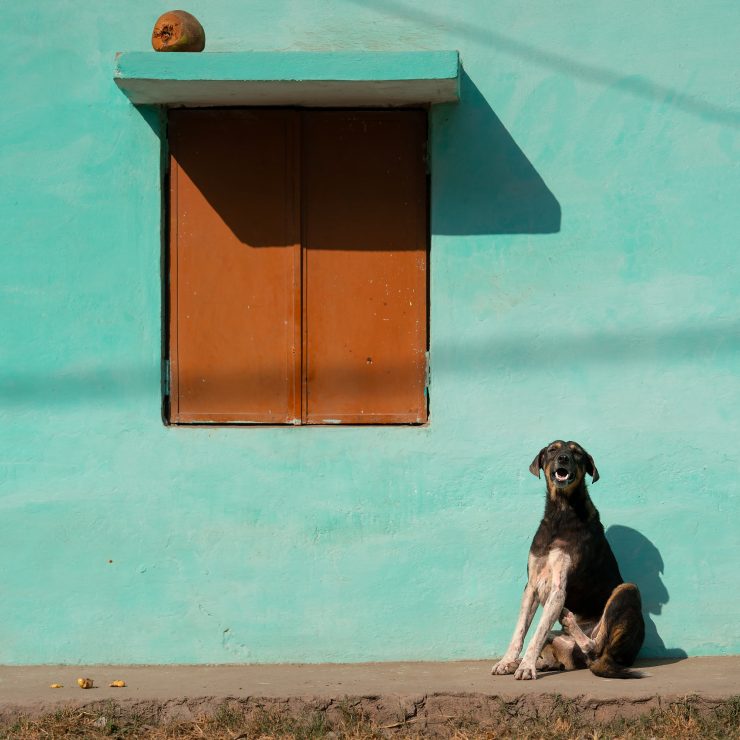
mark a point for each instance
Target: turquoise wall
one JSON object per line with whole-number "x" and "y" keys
{"x": 584, "y": 284}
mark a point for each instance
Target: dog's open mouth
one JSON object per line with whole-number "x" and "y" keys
{"x": 562, "y": 475}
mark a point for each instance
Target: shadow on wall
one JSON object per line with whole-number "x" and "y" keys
{"x": 640, "y": 563}
{"x": 482, "y": 183}
{"x": 111, "y": 382}
{"x": 638, "y": 86}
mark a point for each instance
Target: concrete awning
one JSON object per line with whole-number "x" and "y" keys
{"x": 342, "y": 78}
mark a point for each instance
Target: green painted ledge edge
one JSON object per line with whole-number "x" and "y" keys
{"x": 275, "y": 66}
{"x": 288, "y": 76}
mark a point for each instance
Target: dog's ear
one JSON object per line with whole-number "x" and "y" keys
{"x": 538, "y": 462}
{"x": 591, "y": 468}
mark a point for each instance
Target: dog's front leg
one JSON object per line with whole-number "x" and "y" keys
{"x": 510, "y": 661}
{"x": 559, "y": 564}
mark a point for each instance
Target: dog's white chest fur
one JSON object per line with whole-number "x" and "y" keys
{"x": 548, "y": 572}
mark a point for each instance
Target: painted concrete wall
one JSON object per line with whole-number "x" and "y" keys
{"x": 584, "y": 278}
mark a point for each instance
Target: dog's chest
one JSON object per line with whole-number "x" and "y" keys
{"x": 548, "y": 571}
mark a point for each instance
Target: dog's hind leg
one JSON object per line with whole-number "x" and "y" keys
{"x": 561, "y": 653}
{"x": 588, "y": 646}
{"x": 619, "y": 634}
{"x": 624, "y": 600}
{"x": 510, "y": 662}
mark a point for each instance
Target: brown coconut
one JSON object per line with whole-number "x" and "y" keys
{"x": 178, "y": 30}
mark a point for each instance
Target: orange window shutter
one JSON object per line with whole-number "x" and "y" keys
{"x": 234, "y": 267}
{"x": 364, "y": 271}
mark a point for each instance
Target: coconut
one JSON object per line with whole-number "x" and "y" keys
{"x": 178, "y": 30}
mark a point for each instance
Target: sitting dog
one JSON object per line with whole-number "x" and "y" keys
{"x": 573, "y": 574}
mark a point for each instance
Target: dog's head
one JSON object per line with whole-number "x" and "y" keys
{"x": 565, "y": 465}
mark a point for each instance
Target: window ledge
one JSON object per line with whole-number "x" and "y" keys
{"x": 289, "y": 78}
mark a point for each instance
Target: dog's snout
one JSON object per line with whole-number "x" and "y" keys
{"x": 563, "y": 458}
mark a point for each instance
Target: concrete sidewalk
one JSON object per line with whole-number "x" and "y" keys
{"x": 404, "y": 686}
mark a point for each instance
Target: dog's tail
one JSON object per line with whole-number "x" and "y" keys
{"x": 606, "y": 667}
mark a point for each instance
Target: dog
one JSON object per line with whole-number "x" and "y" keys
{"x": 573, "y": 574}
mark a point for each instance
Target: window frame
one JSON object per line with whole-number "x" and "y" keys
{"x": 169, "y": 379}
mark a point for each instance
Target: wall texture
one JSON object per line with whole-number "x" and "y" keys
{"x": 584, "y": 284}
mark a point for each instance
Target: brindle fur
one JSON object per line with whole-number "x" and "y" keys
{"x": 573, "y": 574}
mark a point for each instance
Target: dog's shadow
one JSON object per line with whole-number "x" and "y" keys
{"x": 640, "y": 562}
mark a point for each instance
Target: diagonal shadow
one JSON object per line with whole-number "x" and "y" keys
{"x": 482, "y": 182}
{"x": 640, "y": 87}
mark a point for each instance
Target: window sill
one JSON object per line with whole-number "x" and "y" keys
{"x": 326, "y": 79}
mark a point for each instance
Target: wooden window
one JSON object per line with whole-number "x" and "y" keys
{"x": 297, "y": 266}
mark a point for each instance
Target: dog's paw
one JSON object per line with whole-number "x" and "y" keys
{"x": 568, "y": 620}
{"x": 526, "y": 672}
{"x": 505, "y": 667}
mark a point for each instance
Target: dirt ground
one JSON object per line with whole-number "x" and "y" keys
{"x": 461, "y": 718}
{"x": 696, "y": 698}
